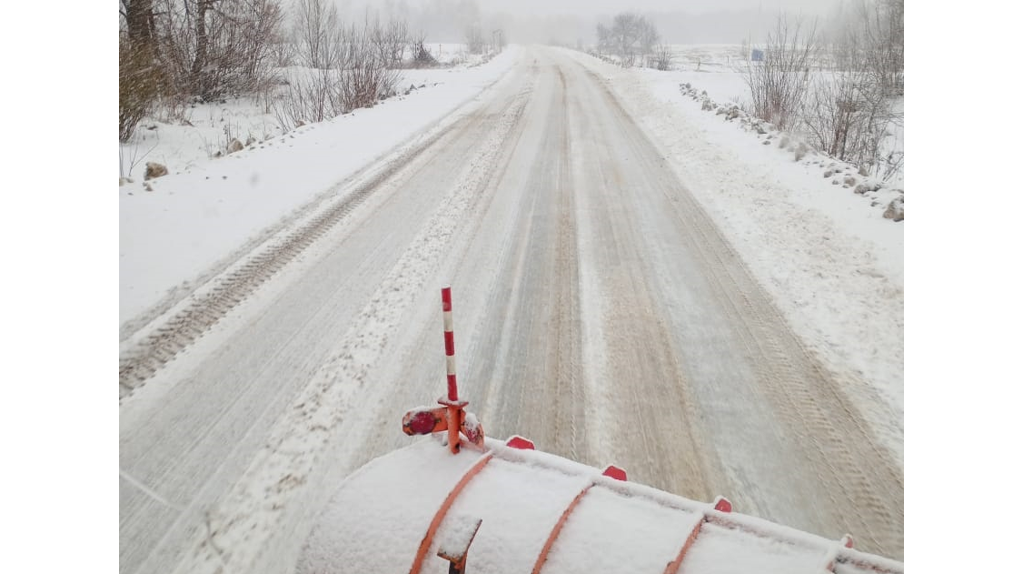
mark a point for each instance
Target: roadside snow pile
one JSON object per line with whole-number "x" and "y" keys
{"x": 840, "y": 173}
{"x": 178, "y": 229}
{"x": 455, "y": 55}
{"x": 179, "y": 136}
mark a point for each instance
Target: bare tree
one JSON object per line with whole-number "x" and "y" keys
{"x": 264, "y": 30}
{"x": 475, "y": 41}
{"x": 317, "y": 32}
{"x": 605, "y": 41}
{"x": 625, "y": 36}
{"x": 209, "y": 47}
{"x": 139, "y": 77}
{"x": 630, "y": 37}
{"x": 883, "y": 25}
{"x": 647, "y": 36}
{"x": 778, "y": 83}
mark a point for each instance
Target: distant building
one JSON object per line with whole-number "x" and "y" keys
{"x": 756, "y": 55}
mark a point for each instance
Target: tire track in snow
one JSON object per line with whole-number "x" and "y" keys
{"x": 861, "y": 482}
{"x": 535, "y": 389}
{"x": 568, "y": 335}
{"x": 288, "y": 472}
{"x": 639, "y": 382}
{"x": 204, "y": 310}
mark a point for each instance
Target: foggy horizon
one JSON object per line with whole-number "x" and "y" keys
{"x": 575, "y": 21}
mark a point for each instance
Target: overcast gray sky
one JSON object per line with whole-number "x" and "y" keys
{"x": 575, "y": 21}
{"x": 584, "y": 7}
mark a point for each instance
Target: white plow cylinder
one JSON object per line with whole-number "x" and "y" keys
{"x": 509, "y": 510}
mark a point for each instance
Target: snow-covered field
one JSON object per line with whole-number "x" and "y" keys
{"x": 720, "y": 72}
{"x": 186, "y": 135}
{"x": 177, "y": 229}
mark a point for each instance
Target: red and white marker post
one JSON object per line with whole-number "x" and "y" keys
{"x": 453, "y": 403}
{"x": 451, "y": 416}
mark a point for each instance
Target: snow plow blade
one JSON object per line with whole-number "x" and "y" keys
{"x": 512, "y": 509}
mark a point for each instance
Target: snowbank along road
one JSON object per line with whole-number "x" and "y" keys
{"x": 598, "y": 311}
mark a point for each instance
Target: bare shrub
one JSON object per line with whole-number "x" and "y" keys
{"x": 366, "y": 75}
{"x": 209, "y": 48}
{"x": 421, "y": 56}
{"x": 890, "y": 165}
{"x": 307, "y": 98}
{"x": 361, "y": 74}
{"x": 135, "y": 155}
{"x": 778, "y": 83}
{"x": 389, "y": 41}
{"x": 663, "y": 57}
{"x": 848, "y": 112}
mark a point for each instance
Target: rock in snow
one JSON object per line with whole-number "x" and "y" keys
{"x": 154, "y": 169}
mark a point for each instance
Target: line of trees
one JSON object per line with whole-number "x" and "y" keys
{"x": 201, "y": 49}
{"x": 845, "y": 105}
{"x": 175, "y": 52}
{"x": 835, "y": 86}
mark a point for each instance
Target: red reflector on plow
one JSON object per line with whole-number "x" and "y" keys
{"x": 424, "y": 421}
{"x": 520, "y": 443}
{"x": 615, "y": 472}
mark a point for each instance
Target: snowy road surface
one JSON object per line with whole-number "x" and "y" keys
{"x": 598, "y": 311}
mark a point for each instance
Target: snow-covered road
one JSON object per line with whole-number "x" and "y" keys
{"x": 599, "y": 311}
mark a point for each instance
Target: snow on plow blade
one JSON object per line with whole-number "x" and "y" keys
{"x": 513, "y": 509}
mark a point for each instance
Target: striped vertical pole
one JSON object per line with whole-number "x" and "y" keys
{"x": 449, "y": 343}
{"x": 453, "y": 403}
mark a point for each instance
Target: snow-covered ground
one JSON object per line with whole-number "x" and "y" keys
{"x": 183, "y": 136}
{"x": 719, "y": 72}
{"x": 832, "y": 261}
{"x": 177, "y": 229}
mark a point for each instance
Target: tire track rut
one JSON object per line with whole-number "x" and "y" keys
{"x": 862, "y": 485}
{"x": 142, "y": 361}
{"x": 851, "y": 481}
